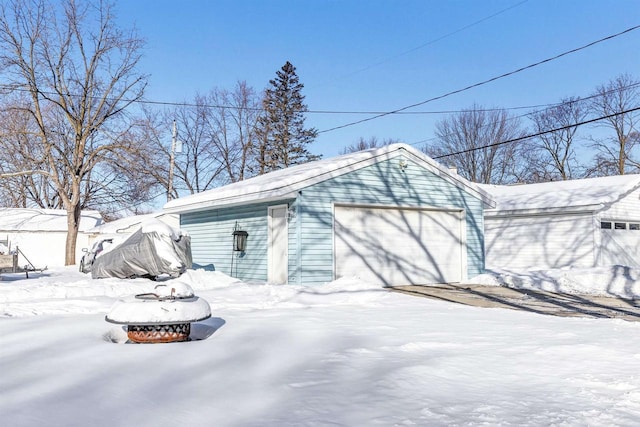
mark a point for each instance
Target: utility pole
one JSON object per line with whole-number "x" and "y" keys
{"x": 172, "y": 160}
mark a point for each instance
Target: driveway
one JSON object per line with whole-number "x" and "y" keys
{"x": 534, "y": 301}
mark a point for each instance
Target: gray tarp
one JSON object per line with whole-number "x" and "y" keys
{"x": 148, "y": 254}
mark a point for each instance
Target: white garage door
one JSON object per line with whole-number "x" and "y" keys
{"x": 398, "y": 246}
{"x": 539, "y": 242}
{"x": 620, "y": 242}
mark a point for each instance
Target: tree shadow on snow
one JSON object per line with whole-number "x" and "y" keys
{"x": 534, "y": 301}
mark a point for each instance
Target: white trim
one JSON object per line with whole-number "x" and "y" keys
{"x": 453, "y": 178}
{"x": 464, "y": 263}
{"x": 270, "y": 265}
{"x": 573, "y": 210}
{"x": 597, "y": 239}
{"x": 285, "y": 183}
{"x": 229, "y": 202}
{"x": 333, "y": 240}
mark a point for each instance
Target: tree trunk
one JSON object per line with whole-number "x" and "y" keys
{"x": 73, "y": 225}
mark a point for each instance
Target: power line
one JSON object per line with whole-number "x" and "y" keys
{"x": 378, "y": 114}
{"x": 502, "y": 142}
{"x": 522, "y": 138}
{"x": 548, "y": 107}
{"x": 232, "y": 107}
{"x": 524, "y": 107}
{"x": 485, "y": 81}
{"x": 434, "y": 112}
{"x": 459, "y": 30}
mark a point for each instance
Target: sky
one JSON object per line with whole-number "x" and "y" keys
{"x": 379, "y": 56}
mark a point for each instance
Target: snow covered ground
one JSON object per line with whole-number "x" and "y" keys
{"x": 616, "y": 281}
{"x": 341, "y": 354}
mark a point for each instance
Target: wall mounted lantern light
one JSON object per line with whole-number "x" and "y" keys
{"x": 240, "y": 240}
{"x": 239, "y": 246}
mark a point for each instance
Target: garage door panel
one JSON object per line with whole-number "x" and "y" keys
{"x": 539, "y": 242}
{"x": 620, "y": 247}
{"x": 398, "y": 246}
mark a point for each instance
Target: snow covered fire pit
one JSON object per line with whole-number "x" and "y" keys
{"x": 162, "y": 316}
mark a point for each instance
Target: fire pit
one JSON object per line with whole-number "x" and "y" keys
{"x": 162, "y": 316}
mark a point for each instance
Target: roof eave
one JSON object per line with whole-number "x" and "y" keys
{"x": 564, "y": 210}
{"x": 457, "y": 180}
{"x": 229, "y": 202}
{"x": 291, "y": 190}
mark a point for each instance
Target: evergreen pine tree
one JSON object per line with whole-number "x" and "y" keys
{"x": 282, "y": 137}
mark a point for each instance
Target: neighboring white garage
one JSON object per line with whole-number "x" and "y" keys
{"x": 399, "y": 245}
{"x": 544, "y": 241}
{"x": 620, "y": 242}
{"x": 41, "y": 234}
{"x": 579, "y": 223}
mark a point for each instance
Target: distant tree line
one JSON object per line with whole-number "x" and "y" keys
{"x": 492, "y": 146}
{"x": 226, "y": 136}
{"x": 73, "y": 135}
{"x": 554, "y": 147}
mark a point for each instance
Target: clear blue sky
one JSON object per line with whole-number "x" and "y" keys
{"x": 384, "y": 55}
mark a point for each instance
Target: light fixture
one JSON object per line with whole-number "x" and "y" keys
{"x": 240, "y": 240}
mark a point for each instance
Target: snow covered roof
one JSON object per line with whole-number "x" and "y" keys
{"x": 36, "y": 219}
{"x": 131, "y": 223}
{"x": 285, "y": 183}
{"x": 579, "y": 194}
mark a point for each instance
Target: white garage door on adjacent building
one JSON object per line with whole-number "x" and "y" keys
{"x": 539, "y": 242}
{"x": 620, "y": 243}
{"x": 399, "y": 246}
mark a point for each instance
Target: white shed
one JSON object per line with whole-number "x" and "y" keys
{"x": 41, "y": 234}
{"x": 578, "y": 223}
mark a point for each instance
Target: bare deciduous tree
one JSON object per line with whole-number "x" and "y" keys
{"x": 154, "y": 131}
{"x": 197, "y": 167}
{"x": 79, "y": 71}
{"x": 233, "y": 119}
{"x": 469, "y": 141}
{"x": 216, "y": 135}
{"x": 553, "y": 154}
{"x": 367, "y": 144}
{"x": 19, "y": 153}
{"x": 617, "y": 153}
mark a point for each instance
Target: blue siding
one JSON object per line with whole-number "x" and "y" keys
{"x": 381, "y": 184}
{"x": 212, "y": 239}
{"x": 310, "y": 221}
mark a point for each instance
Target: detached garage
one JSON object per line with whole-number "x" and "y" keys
{"x": 580, "y": 223}
{"x": 391, "y": 216}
